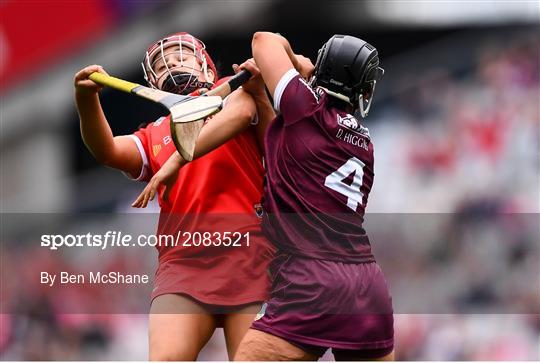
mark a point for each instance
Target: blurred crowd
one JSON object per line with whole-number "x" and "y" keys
{"x": 73, "y": 321}
{"x": 463, "y": 149}
{"x": 460, "y": 149}
{"x": 446, "y": 137}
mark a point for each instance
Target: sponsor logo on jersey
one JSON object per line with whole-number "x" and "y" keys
{"x": 351, "y": 123}
{"x": 167, "y": 140}
{"x": 156, "y": 149}
{"x": 358, "y": 135}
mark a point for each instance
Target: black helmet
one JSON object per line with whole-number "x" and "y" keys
{"x": 348, "y": 68}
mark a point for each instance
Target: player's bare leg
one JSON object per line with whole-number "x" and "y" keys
{"x": 236, "y": 325}
{"x": 178, "y": 328}
{"x": 261, "y": 346}
{"x": 343, "y": 356}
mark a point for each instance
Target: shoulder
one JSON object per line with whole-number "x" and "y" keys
{"x": 158, "y": 130}
{"x": 157, "y": 126}
{"x": 282, "y": 84}
{"x": 292, "y": 85}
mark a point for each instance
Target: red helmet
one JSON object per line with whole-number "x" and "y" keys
{"x": 178, "y": 82}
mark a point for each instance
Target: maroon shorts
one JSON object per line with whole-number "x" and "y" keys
{"x": 319, "y": 304}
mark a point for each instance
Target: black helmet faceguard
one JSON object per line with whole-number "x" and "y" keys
{"x": 348, "y": 68}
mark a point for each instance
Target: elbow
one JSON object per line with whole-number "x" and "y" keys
{"x": 245, "y": 110}
{"x": 258, "y": 37}
{"x": 256, "y": 44}
{"x": 246, "y": 115}
{"x": 249, "y": 112}
{"x": 99, "y": 156}
{"x": 104, "y": 159}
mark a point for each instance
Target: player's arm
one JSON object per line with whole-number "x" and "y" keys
{"x": 117, "y": 152}
{"x": 235, "y": 117}
{"x": 256, "y": 88}
{"x": 274, "y": 57}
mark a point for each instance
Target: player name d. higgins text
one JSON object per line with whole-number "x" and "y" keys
{"x": 352, "y": 139}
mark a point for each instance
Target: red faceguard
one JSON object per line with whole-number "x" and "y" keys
{"x": 186, "y": 43}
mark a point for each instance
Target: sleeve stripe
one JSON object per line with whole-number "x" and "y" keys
{"x": 145, "y": 165}
{"x": 282, "y": 84}
{"x": 310, "y": 89}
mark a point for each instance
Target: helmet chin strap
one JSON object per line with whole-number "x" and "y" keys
{"x": 338, "y": 95}
{"x": 362, "y": 106}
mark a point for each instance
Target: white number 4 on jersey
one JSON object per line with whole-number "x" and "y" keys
{"x": 335, "y": 182}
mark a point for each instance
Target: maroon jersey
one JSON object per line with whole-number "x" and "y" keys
{"x": 319, "y": 162}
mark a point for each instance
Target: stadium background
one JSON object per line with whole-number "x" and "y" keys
{"x": 456, "y": 126}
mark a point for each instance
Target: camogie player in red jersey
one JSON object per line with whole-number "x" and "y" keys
{"x": 196, "y": 288}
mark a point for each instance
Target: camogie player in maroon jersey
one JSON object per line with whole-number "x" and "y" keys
{"x": 327, "y": 290}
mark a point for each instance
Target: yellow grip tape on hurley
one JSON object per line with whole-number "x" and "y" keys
{"x": 113, "y": 82}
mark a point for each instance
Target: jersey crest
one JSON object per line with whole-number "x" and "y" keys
{"x": 351, "y": 123}
{"x": 156, "y": 149}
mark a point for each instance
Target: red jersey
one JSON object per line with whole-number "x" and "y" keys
{"x": 217, "y": 193}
